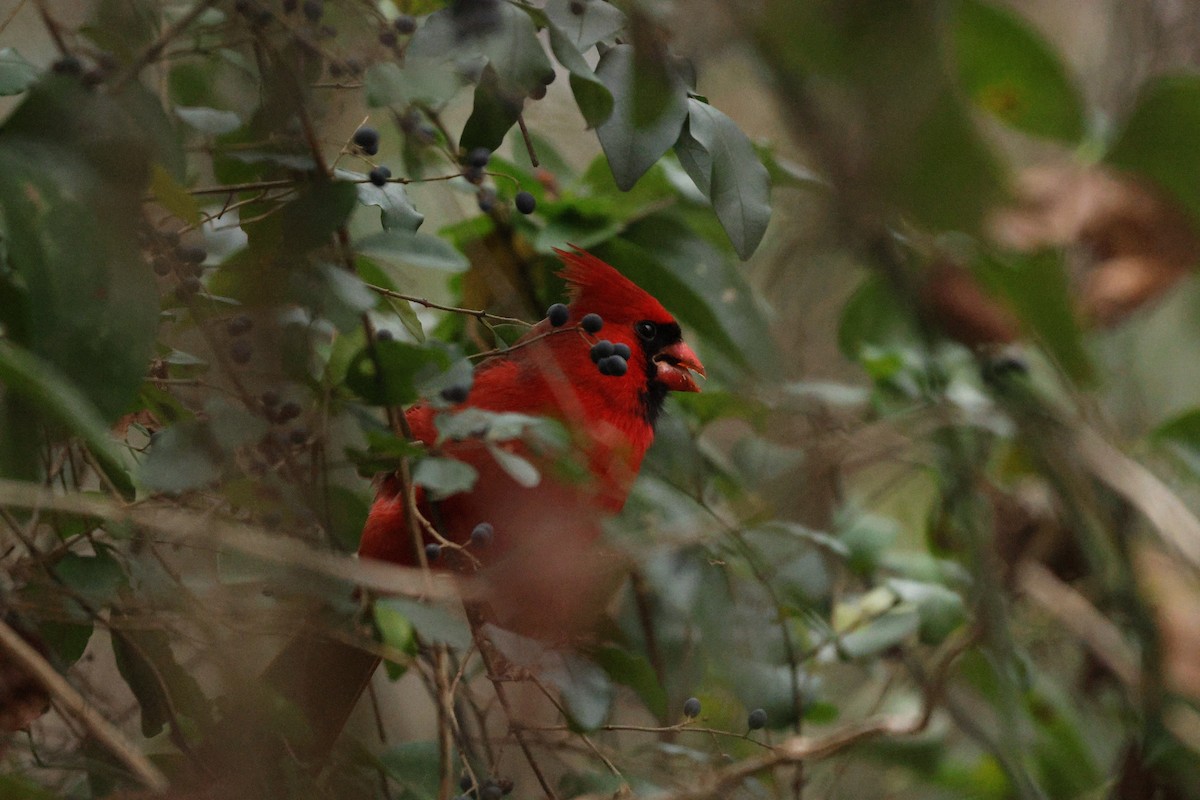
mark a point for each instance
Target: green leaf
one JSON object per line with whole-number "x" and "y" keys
{"x": 209, "y": 120}
{"x": 396, "y": 632}
{"x": 873, "y": 316}
{"x": 941, "y": 610}
{"x": 338, "y": 295}
{"x": 436, "y": 624}
{"x": 738, "y": 185}
{"x": 347, "y": 511}
{"x": 182, "y": 457}
{"x": 585, "y": 688}
{"x": 58, "y": 399}
{"x": 515, "y": 53}
{"x": 1158, "y": 140}
{"x": 16, "y": 74}
{"x": 396, "y": 210}
{"x": 656, "y": 83}
{"x": 882, "y": 632}
{"x": 600, "y": 22}
{"x": 1009, "y": 70}
{"x": 443, "y": 477}
{"x": 493, "y": 115}
{"x": 631, "y": 150}
{"x": 867, "y": 536}
{"x": 403, "y": 366}
{"x": 698, "y": 283}
{"x": 594, "y": 99}
{"x": 157, "y": 679}
{"x": 635, "y": 672}
{"x": 96, "y": 578}
{"x": 416, "y": 766}
{"x": 414, "y": 249}
{"x": 516, "y": 467}
{"x": 74, "y": 167}
{"x": 173, "y": 197}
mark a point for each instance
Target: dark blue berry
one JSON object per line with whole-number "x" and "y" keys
{"x": 479, "y": 157}
{"x": 384, "y": 335}
{"x": 239, "y": 325}
{"x": 314, "y": 10}
{"x": 491, "y": 791}
{"x": 757, "y": 719}
{"x": 487, "y": 199}
{"x": 240, "y": 352}
{"x": 379, "y": 176}
{"x": 406, "y": 24}
{"x": 592, "y": 323}
{"x": 614, "y": 365}
{"x": 289, "y": 411}
{"x": 387, "y": 38}
{"x": 455, "y": 394}
{"x": 433, "y": 551}
{"x": 602, "y": 349}
{"x": 621, "y": 349}
{"x": 691, "y": 707}
{"x": 558, "y": 315}
{"x": 525, "y": 202}
{"x": 192, "y": 254}
{"x": 368, "y": 139}
{"x": 482, "y": 534}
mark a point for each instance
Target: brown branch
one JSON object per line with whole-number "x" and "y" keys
{"x": 71, "y": 702}
{"x": 185, "y": 527}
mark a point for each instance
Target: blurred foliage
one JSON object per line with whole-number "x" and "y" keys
{"x": 210, "y": 296}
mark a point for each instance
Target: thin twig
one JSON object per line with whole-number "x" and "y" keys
{"x": 802, "y": 748}
{"x": 533, "y": 159}
{"x": 474, "y": 312}
{"x": 475, "y": 617}
{"x": 73, "y": 703}
{"x": 156, "y": 47}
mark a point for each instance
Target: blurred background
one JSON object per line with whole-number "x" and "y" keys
{"x": 932, "y": 515}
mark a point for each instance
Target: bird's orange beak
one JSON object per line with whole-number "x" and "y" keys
{"x": 675, "y": 364}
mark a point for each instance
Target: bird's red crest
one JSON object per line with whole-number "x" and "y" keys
{"x": 599, "y": 287}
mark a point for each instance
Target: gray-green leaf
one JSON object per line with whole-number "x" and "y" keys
{"x": 740, "y": 189}
{"x": 632, "y": 150}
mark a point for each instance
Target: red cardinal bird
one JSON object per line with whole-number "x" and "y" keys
{"x": 537, "y": 558}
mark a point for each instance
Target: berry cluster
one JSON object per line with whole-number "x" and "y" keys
{"x": 611, "y": 358}
{"x": 474, "y": 164}
{"x": 481, "y": 536}
{"x": 278, "y": 413}
{"x": 168, "y": 256}
{"x": 240, "y": 350}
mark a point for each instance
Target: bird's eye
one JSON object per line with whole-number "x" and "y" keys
{"x": 646, "y": 329}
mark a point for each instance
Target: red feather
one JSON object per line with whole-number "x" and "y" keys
{"x": 552, "y": 377}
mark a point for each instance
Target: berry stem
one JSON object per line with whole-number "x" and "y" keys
{"x": 477, "y": 313}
